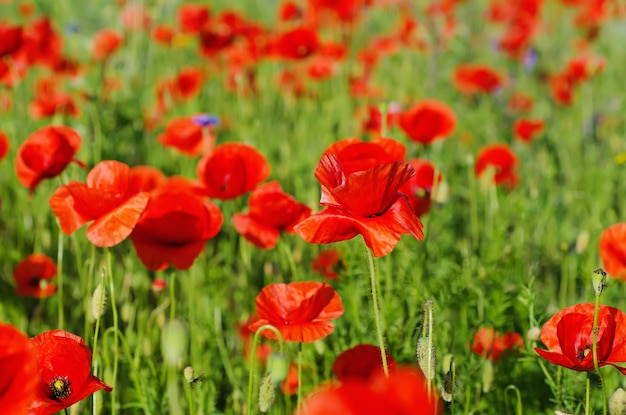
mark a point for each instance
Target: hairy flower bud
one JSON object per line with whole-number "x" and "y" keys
{"x": 617, "y": 402}
{"x": 267, "y": 393}
{"x": 98, "y": 302}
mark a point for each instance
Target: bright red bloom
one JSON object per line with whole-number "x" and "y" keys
{"x": 361, "y": 362}
{"x": 373, "y": 123}
{"x": 526, "y": 129}
{"x": 186, "y": 84}
{"x": 328, "y": 263}
{"x": 145, "y": 179}
{"x": 297, "y": 43}
{"x": 301, "y": 311}
{"x": 163, "y": 34}
{"x": 64, "y": 363}
{"x": 105, "y": 43}
{"x": 612, "y": 248}
{"x": 569, "y": 337}
{"x": 427, "y": 121}
{"x": 183, "y": 134}
{"x": 175, "y": 226}
{"x": 290, "y": 384}
{"x": 11, "y": 38}
{"x": 18, "y": 377}
{"x": 192, "y": 17}
{"x": 363, "y": 203}
{"x": 50, "y": 101}
{"x": 271, "y": 210}
{"x": 491, "y": 345}
{"x": 502, "y": 160}
{"x": 4, "y": 145}
{"x": 403, "y": 392}
{"x": 520, "y": 102}
{"x": 289, "y": 10}
{"x": 562, "y": 88}
{"x": 33, "y": 274}
{"x": 45, "y": 154}
{"x": 475, "y": 78}
{"x": 356, "y": 155}
{"x": 231, "y": 170}
{"x": 105, "y": 199}
{"x": 419, "y": 187}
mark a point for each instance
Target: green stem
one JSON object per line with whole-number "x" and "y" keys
{"x": 115, "y": 333}
{"x": 588, "y": 394}
{"x": 255, "y": 343}
{"x": 95, "y": 344}
{"x": 60, "y": 281}
{"x": 595, "y": 351}
{"x": 299, "y": 401}
{"x": 190, "y": 398}
{"x": 518, "y": 406}
{"x": 379, "y": 329}
{"x": 173, "y": 296}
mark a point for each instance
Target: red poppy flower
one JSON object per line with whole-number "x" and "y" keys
{"x": 569, "y": 337}
{"x": 11, "y": 39}
{"x": 18, "y": 378}
{"x": 491, "y": 345}
{"x": 475, "y": 78}
{"x": 105, "y": 199}
{"x": 105, "y": 43}
{"x": 64, "y": 362}
{"x": 33, "y": 274}
{"x": 520, "y": 103}
{"x": 4, "y": 145}
{"x": 184, "y": 135}
{"x": 419, "y": 187}
{"x": 290, "y": 384}
{"x": 613, "y": 250}
{"x": 526, "y": 129}
{"x": 562, "y": 89}
{"x": 403, "y": 392}
{"x": 163, "y": 34}
{"x": 356, "y": 155}
{"x": 360, "y": 362}
{"x": 501, "y": 159}
{"x": 271, "y": 210}
{"x": 192, "y": 17}
{"x": 175, "y": 226}
{"x": 363, "y": 203}
{"x": 231, "y": 170}
{"x": 428, "y": 121}
{"x": 328, "y": 263}
{"x": 49, "y": 101}
{"x": 145, "y": 179}
{"x": 297, "y": 43}
{"x": 45, "y": 154}
{"x": 301, "y": 311}
{"x": 186, "y": 84}
{"x": 289, "y": 10}
{"x": 373, "y": 122}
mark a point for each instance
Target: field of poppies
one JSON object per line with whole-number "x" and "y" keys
{"x": 312, "y": 207}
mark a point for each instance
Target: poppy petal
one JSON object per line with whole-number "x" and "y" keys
{"x": 111, "y": 229}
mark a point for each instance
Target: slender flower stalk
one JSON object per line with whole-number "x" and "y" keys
{"x": 376, "y": 307}
{"x": 255, "y": 343}
{"x": 599, "y": 283}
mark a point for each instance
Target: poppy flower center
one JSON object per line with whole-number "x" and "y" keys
{"x": 583, "y": 352}
{"x": 60, "y": 388}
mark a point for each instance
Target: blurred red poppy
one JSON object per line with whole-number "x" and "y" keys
{"x": 49, "y": 100}
{"x": 192, "y": 17}
{"x": 231, "y": 170}
{"x": 183, "y": 134}
{"x": 491, "y": 345}
{"x": 403, "y": 392}
{"x": 45, "y": 154}
{"x": 427, "y": 121}
{"x": 105, "y": 199}
{"x": 64, "y": 363}
{"x": 175, "y": 226}
{"x": 612, "y": 248}
{"x": 361, "y": 362}
{"x": 186, "y": 84}
{"x": 562, "y": 89}
{"x": 476, "y": 78}
{"x": 328, "y": 263}
{"x": 33, "y": 274}
{"x": 163, "y": 34}
{"x": 289, "y": 10}
{"x": 301, "y": 311}
{"x": 18, "y": 377}
{"x": 298, "y": 43}
{"x": 364, "y": 203}
{"x": 373, "y": 123}
{"x": 4, "y": 145}
{"x": 419, "y": 187}
{"x": 105, "y": 43}
{"x": 271, "y": 210}
{"x": 526, "y": 129}
{"x": 11, "y": 38}
{"x": 501, "y": 160}
{"x": 290, "y": 384}
{"x": 519, "y": 102}
{"x": 569, "y": 337}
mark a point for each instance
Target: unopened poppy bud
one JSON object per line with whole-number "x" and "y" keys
{"x": 277, "y": 367}
{"x": 267, "y": 393}
{"x": 174, "y": 341}
{"x": 582, "y": 242}
{"x": 488, "y": 375}
{"x": 98, "y": 302}
{"x": 188, "y": 373}
{"x": 598, "y": 279}
{"x": 426, "y": 357}
{"x": 534, "y": 334}
{"x": 617, "y": 402}
{"x": 158, "y": 285}
{"x": 449, "y": 379}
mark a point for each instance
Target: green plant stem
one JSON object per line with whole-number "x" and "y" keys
{"x": 588, "y": 395}
{"x": 61, "y": 318}
{"x": 173, "y": 296}
{"x": 518, "y": 405}
{"x": 299, "y": 401}
{"x": 94, "y": 347}
{"x": 595, "y": 352}
{"x": 190, "y": 398}
{"x": 255, "y": 344}
{"x": 377, "y": 317}
{"x": 116, "y": 331}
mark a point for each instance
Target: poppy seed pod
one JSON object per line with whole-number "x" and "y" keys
{"x": 598, "y": 279}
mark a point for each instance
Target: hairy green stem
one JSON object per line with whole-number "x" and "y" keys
{"x": 377, "y": 317}
{"x": 255, "y": 343}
